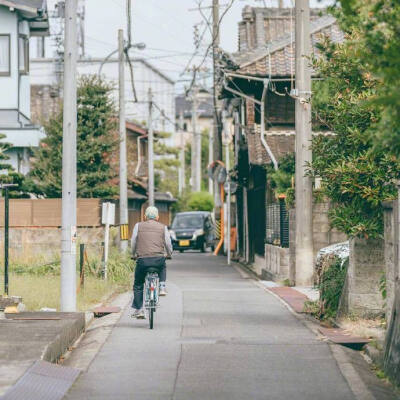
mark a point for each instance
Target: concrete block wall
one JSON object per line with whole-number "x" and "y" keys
{"x": 366, "y": 266}
{"x": 276, "y": 263}
{"x": 323, "y": 234}
{"x": 391, "y": 235}
{"x": 46, "y": 242}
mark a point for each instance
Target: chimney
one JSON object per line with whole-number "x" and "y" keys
{"x": 260, "y": 30}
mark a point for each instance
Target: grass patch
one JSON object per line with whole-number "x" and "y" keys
{"x": 39, "y": 284}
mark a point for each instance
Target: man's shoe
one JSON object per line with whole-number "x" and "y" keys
{"x": 138, "y": 314}
{"x": 163, "y": 291}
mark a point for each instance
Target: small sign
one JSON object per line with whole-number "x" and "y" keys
{"x": 231, "y": 186}
{"x": 108, "y": 213}
{"x": 124, "y": 232}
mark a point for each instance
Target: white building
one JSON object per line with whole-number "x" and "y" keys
{"x": 46, "y": 77}
{"x": 19, "y": 20}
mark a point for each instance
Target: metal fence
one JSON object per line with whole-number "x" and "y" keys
{"x": 277, "y": 229}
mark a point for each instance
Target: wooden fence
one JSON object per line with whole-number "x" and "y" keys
{"x": 46, "y": 213}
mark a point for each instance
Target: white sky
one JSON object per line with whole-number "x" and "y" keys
{"x": 166, "y": 26}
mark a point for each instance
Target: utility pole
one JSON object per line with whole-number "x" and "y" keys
{"x": 304, "y": 225}
{"x": 123, "y": 179}
{"x": 215, "y": 45}
{"x": 196, "y": 144}
{"x": 210, "y": 159}
{"x": 68, "y": 218}
{"x": 150, "y": 143}
{"x": 181, "y": 170}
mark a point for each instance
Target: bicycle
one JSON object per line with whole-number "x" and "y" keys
{"x": 151, "y": 293}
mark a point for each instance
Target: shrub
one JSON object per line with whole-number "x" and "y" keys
{"x": 331, "y": 284}
{"x": 200, "y": 201}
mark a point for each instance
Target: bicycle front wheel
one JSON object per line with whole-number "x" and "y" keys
{"x": 151, "y": 314}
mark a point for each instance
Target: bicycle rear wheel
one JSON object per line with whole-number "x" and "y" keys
{"x": 151, "y": 314}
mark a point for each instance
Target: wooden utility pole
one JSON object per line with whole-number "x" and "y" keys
{"x": 181, "y": 170}
{"x": 215, "y": 45}
{"x": 123, "y": 179}
{"x": 68, "y": 214}
{"x": 304, "y": 224}
{"x": 196, "y": 144}
{"x": 150, "y": 149}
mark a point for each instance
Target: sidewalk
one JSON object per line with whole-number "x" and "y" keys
{"x": 28, "y": 337}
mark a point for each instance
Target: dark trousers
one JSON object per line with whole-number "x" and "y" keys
{"x": 142, "y": 266}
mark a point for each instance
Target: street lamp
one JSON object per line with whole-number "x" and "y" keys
{"x": 6, "y": 186}
{"x": 139, "y": 46}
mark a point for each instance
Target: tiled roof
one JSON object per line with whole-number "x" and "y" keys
{"x": 205, "y": 106}
{"x": 280, "y": 143}
{"x": 276, "y": 58}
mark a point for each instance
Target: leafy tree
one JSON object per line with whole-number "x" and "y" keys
{"x": 204, "y": 159}
{"x": 200, "y": 201}
{"x": 7, "y": 173}
{"x": 166, "y": 166}
{"x": 378, "y": 24}
{"x": 96, "y": 141}
{"x": 356, "y": 175}
{"x": 281, "y": 180}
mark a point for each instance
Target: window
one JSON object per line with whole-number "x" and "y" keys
{"x": 23, "y": 54}
{"x": 5, "y": 67}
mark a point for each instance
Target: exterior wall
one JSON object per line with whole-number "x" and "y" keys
{"x": 46, "y": 242}
{"x": 43, "y": 73}
{"x": 9, "y": 84}
{"x": 24, "y": 80}
{"x": 276, "y": 263}
{"x": 391, "y": 254}
{"x": 366, "y": 266}
{"x": 323, "y": 234}
{"x": 45, "y": 101}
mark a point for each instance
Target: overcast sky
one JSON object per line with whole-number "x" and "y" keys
{"x": 166, "y": 26}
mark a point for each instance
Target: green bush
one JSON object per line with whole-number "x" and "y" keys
{"x": 200, "y": 201}
{"x": 331, "y": 285}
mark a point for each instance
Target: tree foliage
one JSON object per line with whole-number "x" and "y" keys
{"x": 356, "y": 174}
{"x": 280, "y": 180}
{"x": 200, "y": 201}
{"x": 96, "y": 141}
{"x": 7, "y": 172}
{"x": 378, "y": 24}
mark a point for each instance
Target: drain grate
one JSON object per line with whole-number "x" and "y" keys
{"x": 43, "y": 381}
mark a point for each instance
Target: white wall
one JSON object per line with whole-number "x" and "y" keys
{"x": 9, "y": 84}
{"x": 43, "y": 73}
{"x": 24, "y": 83}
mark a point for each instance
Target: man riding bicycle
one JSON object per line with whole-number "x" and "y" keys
{"x": 150, "y": 243}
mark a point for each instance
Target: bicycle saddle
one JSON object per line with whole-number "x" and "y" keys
{"x": 152, "y": 270}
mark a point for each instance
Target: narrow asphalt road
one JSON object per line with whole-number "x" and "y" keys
{"x": 217, "y": 336}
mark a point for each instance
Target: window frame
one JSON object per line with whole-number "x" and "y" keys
{"x": 25, "y": 70}
{"x": 7, "y": 73}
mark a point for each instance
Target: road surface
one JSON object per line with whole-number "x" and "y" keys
{"x": 217, "y": 336}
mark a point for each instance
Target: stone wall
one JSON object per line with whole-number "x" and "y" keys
{"x": 366, "y": 266}
{"x": 391, "y": 253}
{"x": 276, "y": 263}
{"x": 392, "y": 267}
{"x": 323, "y": 234}
{"x": 45, "y": 102}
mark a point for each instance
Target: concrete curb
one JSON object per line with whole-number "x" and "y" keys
{"x": 86, "y": 348}
{"x": 55, "y": 350}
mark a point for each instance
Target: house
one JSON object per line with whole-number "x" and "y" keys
{"x": 137, "y": 142}
{"x": 205, "y": 111}
{"x": 256, "y": 82}
{"x": 19, "y": 21}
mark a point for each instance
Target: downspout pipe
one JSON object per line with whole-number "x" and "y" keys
{"x": 139, "y": 154}
{"x": 263, "y": 141}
